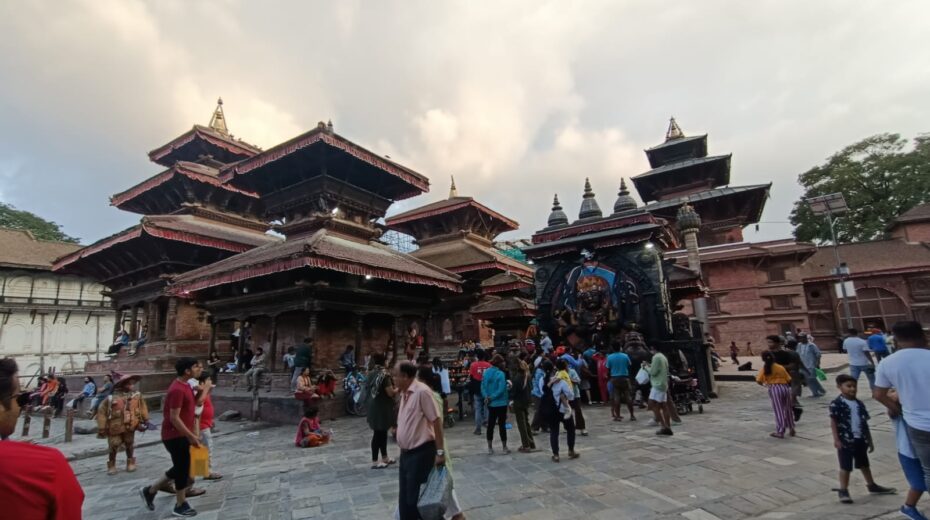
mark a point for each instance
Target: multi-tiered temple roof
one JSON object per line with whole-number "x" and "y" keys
{"x": 325, "y": 193}
{"x": 682, "y": 172}
{"x": 190, "y": 218}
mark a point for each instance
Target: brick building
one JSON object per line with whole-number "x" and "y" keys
{"x": 754, "y": 289}
{"x": 891, "y": 278}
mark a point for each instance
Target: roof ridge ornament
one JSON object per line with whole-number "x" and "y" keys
{"x": 557, "y": 217}
{"x": 624, "y": 202}
{"x": 674, "y": 131}
{"x": 218, "y": 120}
{"x": 589, "y": 207}
{"x": 453, "y": 192}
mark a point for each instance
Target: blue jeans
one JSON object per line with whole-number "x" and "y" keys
{"x": 481, "y": 411}
{"x": 810, "y": 377}
{"x": 920, "y": 441}
{"x": 855, "y": 370}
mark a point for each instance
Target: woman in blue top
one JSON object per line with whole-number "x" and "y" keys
{"x": 495, "y": 389}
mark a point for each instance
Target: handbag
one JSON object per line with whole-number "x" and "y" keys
{"x": 435, "y": 494}
{"x": 821, "y": 375}
{"x": 642, "y": 377}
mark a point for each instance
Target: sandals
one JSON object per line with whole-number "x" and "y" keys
{"x": 777, "y": 435}
{"x": 213, "y": 476}
{"x": 389, "y": 461}
{"x": 379, "y": 465}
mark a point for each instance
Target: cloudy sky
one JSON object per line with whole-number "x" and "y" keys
{"x": 517, "y": 99}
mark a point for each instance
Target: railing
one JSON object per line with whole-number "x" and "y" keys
{"x": 54, "y": 301}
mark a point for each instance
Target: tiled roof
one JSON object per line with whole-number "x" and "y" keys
{"x": 193, "y": 171}
{"x": 182, "y": 228}
{"x": 705, "y": 195}
{"x": 209, "y": 135}
{"x": 725, "y": 252}
{"x": 322, "y": 250}
{"x": 676, "y": 142}
{"x": 21, "y": 249}
{"x": 683, "y": 164}
{"x": 461, "y": 256}
{"x": 446, "y": 206}
{"x": 868, "y": 257}
{"x": 509, "y": 306}
{"x": 916, "y": 214}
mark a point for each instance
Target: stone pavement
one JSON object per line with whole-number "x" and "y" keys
{"x": 719, "y": 465}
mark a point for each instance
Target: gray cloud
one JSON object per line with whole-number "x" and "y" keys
{"x": 519, "y": 100}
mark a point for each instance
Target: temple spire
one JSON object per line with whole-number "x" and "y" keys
{"x": 589, "y": 207}
{"x": 557, "y": 217}
{"x": 218, "y": 121}
{"x": 674, "y": 131}
{"x": 624, "y": 202}
{"x": 453, "y": 193}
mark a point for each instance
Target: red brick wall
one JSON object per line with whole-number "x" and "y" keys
{"x": 190, "y": 322}
{"x": 741, "y": 287}
{"x": 915, "y": 232}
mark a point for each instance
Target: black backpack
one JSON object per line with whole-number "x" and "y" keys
{"x": 548, "y": 408}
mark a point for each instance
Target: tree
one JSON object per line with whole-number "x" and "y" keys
{"x": 881, "y": 177}
{"x": 42, "y": 229}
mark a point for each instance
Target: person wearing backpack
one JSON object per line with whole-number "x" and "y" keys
{"x": 555, "y": 408}
{"x": 379, "y": 395}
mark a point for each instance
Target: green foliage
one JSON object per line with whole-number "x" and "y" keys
{"x": 42, "y": 229}
{"x": 881, "y": 177}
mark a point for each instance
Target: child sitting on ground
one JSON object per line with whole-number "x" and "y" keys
{"x": 326, "y": 384}
{"x": 852, "y": 438}
{"x": 309, "y": 432}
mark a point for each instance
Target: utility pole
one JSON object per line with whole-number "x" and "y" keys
{"x": 828, "y": 205}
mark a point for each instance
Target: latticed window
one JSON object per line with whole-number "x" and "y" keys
{"x": 782, "y": 301}
{"x": 776, "y": 274}
{"x": 875, "y": 307}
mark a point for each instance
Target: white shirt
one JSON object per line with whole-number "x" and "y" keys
{"x": 443, "y": 380}
{"x": 855, "y": 423}
{"x": 901, "y": 438}
{"x": 856, "y": 348}
{"x": 908, "y": 372}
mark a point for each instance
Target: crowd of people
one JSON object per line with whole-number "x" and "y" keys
{"x": 899, "y": 378}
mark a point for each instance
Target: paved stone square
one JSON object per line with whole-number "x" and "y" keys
{"x": 721, "y": 464}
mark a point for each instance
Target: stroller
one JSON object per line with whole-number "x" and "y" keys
{"x": 685, "y": 392}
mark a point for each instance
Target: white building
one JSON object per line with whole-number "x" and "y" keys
{"x": 48, "y": 321}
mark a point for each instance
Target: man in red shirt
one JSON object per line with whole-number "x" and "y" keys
{"x": 177, "y": 434}
{"x": 37, "y": 481}
{"x": 475, "y": 375}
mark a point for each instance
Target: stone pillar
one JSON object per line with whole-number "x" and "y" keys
{"x": 311, "y": 333}
{"x": 274, "y": 343}
{"x": 171, "y": 319}
{"x": 688, "y": 224}
{"x": 359, "y": 329}
{"x": 133, "y": 323}
{"x": 212, "y": 337}
{"x": 117, "y": 319}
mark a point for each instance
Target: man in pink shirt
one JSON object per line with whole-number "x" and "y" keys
{"x": 419, "y": 437}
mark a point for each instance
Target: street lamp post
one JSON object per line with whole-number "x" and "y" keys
{"x": 829, "y": 205}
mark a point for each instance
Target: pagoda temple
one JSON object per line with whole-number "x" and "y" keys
{"x": 682, "y": 172}
{"x": 190, "y": 219}
{"x": 331, "y": 279}
{"x": 458, "y": 235}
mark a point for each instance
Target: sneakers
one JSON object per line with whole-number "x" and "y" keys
{"x": 652, "y": 422}
{"x": 184, "y": 510}
{"x": 912, "y": 513}
{"x": 148, "y": 498}
{"x": 875, "y": 489}
{"x": 844, "y": 496}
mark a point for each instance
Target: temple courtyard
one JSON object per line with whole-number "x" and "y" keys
{"x": 718, "y": 465}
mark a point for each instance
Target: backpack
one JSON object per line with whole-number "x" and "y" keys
{"x": 548, "y": 407}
